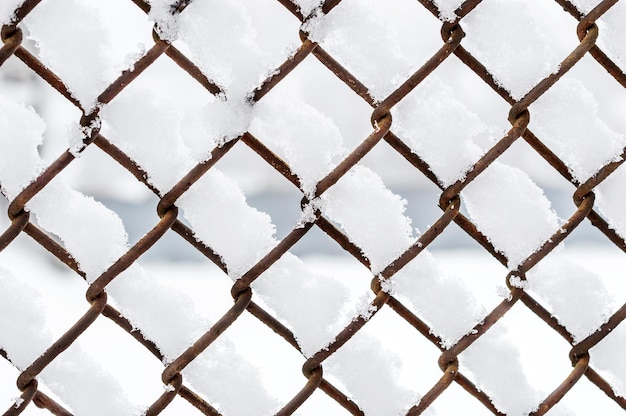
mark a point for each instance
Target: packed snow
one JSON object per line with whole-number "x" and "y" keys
{"x": 317, "y": 137}
{"x": 96, "y": 245}
{"x": 583, "y": 308}
{"x": 357, "y": 36}
{"x": 610, "y": 200}
{"x": 447, "y": 9}
{"x": 167, "y": 138}
{"x": 74, "y": 370}
{"x": 511, "y": 210}
{"x": 517, "y": 53}
{"x": 7, "y": 10}
{"x": 612, "y": 33}
{"x": 82, "y": 62}
{"x": 565, "y": 118}
{"x": 365, "y": 368}
{"x": 432, "y": 111}
{"x": 21, "y": 131}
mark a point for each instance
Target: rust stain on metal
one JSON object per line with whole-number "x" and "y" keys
{"x": 450, "y": 203}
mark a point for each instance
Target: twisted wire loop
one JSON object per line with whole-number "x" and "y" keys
{"x": 450, "y": 201}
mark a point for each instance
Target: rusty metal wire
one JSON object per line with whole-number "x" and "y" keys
{"x": 243, "y": 296}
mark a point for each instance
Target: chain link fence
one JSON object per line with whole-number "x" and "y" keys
{"x": 243, "y": 291}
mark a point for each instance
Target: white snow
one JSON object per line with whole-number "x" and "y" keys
{"x": 585, "y": 6}
{"x": 364, "y": 42}
{"x": 302, "y": 136}
{"x": 220, "y": 217}
{"x": 96, "y": 243}
{"x": 25, "y": 335}
{"x": 91, "y": 232}
{"x": 442, "y": 299}
{"x": 447, "y": 8}
{"x": 566, "y": 119}
{"x": 167, "y": 140}
{"x": 370, "y": 371}
{"x": 7, "y": 10}
{"x": 606, "y": 357}
{"x": 153, "y": 123}
{"x": 81, "y": 61}
{"x": 610, "y": 200}
{"x": 297, "y": 294}
{"x": 613, "y": 32}
{"x": 307, "y": 6}
{"x": 489, "y": 360}
{"x": 239, "y": 233}
{"x": 166, "y": 22}
{"x": 222, "y": 38}
{"x": 504, "y": 36}
{"x": 440, "y": 129}
{"x": 226, "y": 120}
{"x": 20, "y": 320}
{"x": 511, "y": 210}
{"x": 21, "y": 129}
{"x": 575, "y": 295}
{"x": 228, "y": 381}
{"x": 370, "y": 214}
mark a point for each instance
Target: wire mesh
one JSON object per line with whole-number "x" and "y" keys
{"x": 450, "y": 203}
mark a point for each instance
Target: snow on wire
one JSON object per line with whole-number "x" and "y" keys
{"x": 173, "y": 150}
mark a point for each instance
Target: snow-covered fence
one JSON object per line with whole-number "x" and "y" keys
{"x": 174, "y": 151}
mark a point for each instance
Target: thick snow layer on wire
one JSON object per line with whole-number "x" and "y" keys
{"x": 489, "y": 360}
{"x": 303, "y": 137}
{"x": 223, "y": 40}
{"x": 154, "y": 126}
{"x": 494, "y": 35}
{"x": 159, "y": 315}
{"x": 166, "y": 22}
{"x": 447, "y": 9}
{"x": 511, "y": 211}
{"x": 357, "y": 36}
{"x": 139, "y": 297}
{"x": 566, "y": 119}
{"x": 241, "y": 235}
{"x": 442, "y": 299}
{"x": 612, "y": 29}
{"x": 7, "y": 9}
{"x": 221, "y": 217}
{"x": 613, "y": 33}
{"x": 72, "y": 40}
{"x": 373, "y": 218}
{"x": 91, "y": 232}
{"x": 96, "y": 243}
{"x": 173, "y": 323}
{"x": 296, "y": 292}
{"x": 223, "y": 43}
{"x": 575, "y": 295}
{"x": 610, "y": 200}
{"x": 232, "y": 387}
{"x": 22, "y": 324}
{"x": 607, "y": 357}
{"x": 369, "y": 372}
{"x": 372, "y": 215}
{"x": 24, "y": 336}
{"x": 307, "y": 6}
{"x": 218, "y": 212}
{"x": 440, "y": 129}
{"x": 21, "y": 131}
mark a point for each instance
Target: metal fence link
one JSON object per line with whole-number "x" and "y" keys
{"x": 450, "y": 202}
